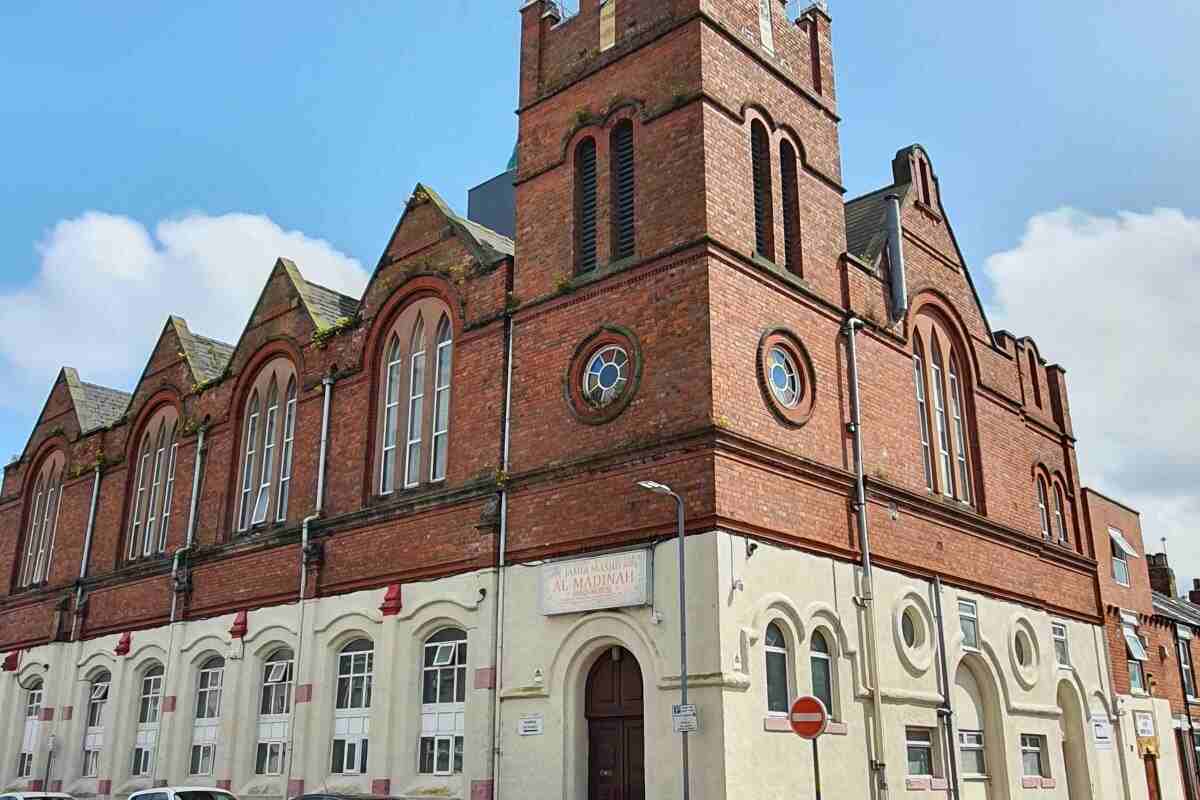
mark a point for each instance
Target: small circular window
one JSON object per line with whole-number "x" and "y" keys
{"x": 785, "y": 374}
{"x": 1022, "y": 650}
{"x": 603, "y": 376}
{"x": 606, "y": 375}
{"x": 911, "y": 635}
{"x": 784, "y": 379}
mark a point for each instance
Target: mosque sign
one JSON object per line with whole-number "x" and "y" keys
{"x": 615, "y": 580}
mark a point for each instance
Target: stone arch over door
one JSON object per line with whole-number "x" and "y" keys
{"x": 615, "y": 709}
{"x": 978, "y": 708}
{"x": 1074, "y": 730}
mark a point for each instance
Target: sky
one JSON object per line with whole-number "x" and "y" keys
{"x": 156, "y": 158}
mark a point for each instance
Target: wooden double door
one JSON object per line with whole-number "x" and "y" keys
{"x": 616, "y": 728}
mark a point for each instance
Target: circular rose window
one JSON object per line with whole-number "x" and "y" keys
{"x": 606, "y": 375}
{"x": 602, "y": 378}
{"x": 785, "y": 374}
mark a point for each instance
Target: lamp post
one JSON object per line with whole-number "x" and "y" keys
{"x": 659, "y": 488}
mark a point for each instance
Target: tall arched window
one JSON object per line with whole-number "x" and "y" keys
{"x": 585, "y": 205}
{"x": 1043, "y": 507}
{"x": 764, "y": 216}
{"x": 441, "y": 400}
{"x": 268, "y": 433}
{"x": 149, "y": 714}
{"x": 274, "y": 708}
{"x": 205, "y": 728}
{"x": 43, "y": 520}
{"x": 1060, "y": 519}
{"x": 93, "y": 736}
{"x": 1034, "y": 381}
{"x": 776, "y": 656}
{"x": 822, "y": 670}
{"x": 942, "y": 385}
{"x": 622, "y": 183}
{"x": 154, "y": 489}
{"x": 352, "y": 708}
{"x": 408, "y": 424}
{"x": 789, "y": 173}
{"x": 443, "y": 702}
{"x": 33, "y": 722}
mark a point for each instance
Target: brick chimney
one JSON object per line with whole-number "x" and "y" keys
{"x": 1162, "y": 577}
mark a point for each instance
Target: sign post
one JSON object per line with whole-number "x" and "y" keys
{"x": 809, "y": 719}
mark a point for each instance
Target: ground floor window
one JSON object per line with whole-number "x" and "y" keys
{"x": 25, "y": 765}
{"x": 441, "y": 755}
{"x": 443, "y": 703}
{"x": 203, "y": 756}
{"x": 269, "y": 759}
{"x": 91, "y": 763}
{"x": 1033, "y": 755}
{"x": 970, "y": 744}
{"x": 919, "y": 742}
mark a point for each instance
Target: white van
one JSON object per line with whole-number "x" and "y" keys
{"x": 182, "y": 793}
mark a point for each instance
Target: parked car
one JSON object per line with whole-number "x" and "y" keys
{"x": 341, "y": 796}
{"x": 35, "y": 796}
{"x": 183, "y": 793}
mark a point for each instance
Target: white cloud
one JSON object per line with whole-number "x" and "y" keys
{"x": 1114, "y": 300}
{"x": 105, "y": 286}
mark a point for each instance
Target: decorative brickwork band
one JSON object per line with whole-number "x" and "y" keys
{"x": 391, "y": 606}
{"x": 304, "y": 693}
{"x": 168, "y": 704}
{"x": 485, "y": 678}
{"x": 481, "y": 790}
{"x": 295, "y": 787}
{"x": 381, "y": 787}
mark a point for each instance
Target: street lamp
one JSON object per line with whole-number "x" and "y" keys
{"x": 659, "y": 488}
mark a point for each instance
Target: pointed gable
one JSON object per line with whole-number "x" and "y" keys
{"x": 487, "y": 247}
{"x": 207, "y": 358}
{"x": 75, "y": 408}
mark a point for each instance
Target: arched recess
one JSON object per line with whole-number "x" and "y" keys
{"x": 266, "y": 425}
{"x": 42, "y": 504}
{"x": 615, "y": 709}
{"x": 945, "y": 376}
{"x": 1074, "y": 730}
{"x": 979, "y": 728}
{"x": 150, "y": 478}
{"x": 412, "y": 400}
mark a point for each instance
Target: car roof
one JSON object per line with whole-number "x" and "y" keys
{"x": 160, "y": 789}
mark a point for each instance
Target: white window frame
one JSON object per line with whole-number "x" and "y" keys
{"x": 93, "y": 736}
{"x": 968, "y": 610}
{"x": 974, "y": 742}
{"x": 143, "y": 464}
{"x": 148, "y": 720}
{"x": 785, "y": 652}
{"x": 923, "y": 413}
{"x": 352, "y": 720}
{"x": 168, "y": 493}
{"x": 416, "y": 408}
{"x": 942, "y": 426}
{"x": 262, "y": 502}
{"x": 1060, "y": 515}
{"x": 1185, "y": 662}
{"x": 285, "y": 457}
{"x": 278, "y": 679}
{"x": 443, "y": 722}
{"x": 245, "y": 511}
{"x": 391, "y": 416}
{"x": 441, "y": 384}
{"x": 157, "y": 479}
{"x": 960, "y": 432}
{"x": 1058, "y": 632}
{"x": 1043, "y": 507}
{"x": 207, "y": 752}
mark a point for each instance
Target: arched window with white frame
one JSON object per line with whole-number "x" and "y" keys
{"x": 443, "y": 703}
{"x": 352, "y": 708}
{"x": 149, "y": 717}
{"x": 93, "y": 735}
{"x": 821, "y": 663}
{"x": 32, "y": 729}
{"x": 413, "y": 412}
{"x": 274, "y": 710}
{"x": 1043, "y": 507}
{"x": 1060, "y": 517}
{"x": 777, "y": 660}
{"x": 210, "y": 681}
{"x": 42, "y": 526}
{"x": 267, "y": 449}
{"x": 154, "y": 489}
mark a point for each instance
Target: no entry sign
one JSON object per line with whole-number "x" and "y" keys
{"x": 808, "y": 717}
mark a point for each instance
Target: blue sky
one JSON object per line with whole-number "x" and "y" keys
{"x": 316, "y": 120}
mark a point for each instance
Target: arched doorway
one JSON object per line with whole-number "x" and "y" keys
{"x": 1074, "y": 743}
{"x": 616, "y": 746}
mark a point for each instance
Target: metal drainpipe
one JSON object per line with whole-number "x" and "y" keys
{"x": 501, "y": 574}
{"x": 1118, "y": 727}
{"x": 319, "y": 507}
{"x": 87, "y": 552}
{"x": 867, "y": 599}
{"x": 947, "y": 710}
{"x": 197, "y": 469}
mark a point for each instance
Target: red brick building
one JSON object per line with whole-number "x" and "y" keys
{"x": 405, "y": 490}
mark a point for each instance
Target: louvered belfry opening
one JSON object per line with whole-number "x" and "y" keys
{"x": 760, "y": 154}
{"x": 622, "y": 191}
{"x": 585, "y": 205}
{"x": 788, "y": 169}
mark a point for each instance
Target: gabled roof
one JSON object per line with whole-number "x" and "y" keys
{"x": 489, "y": 247}
{"x": 207, "y": 358}
{"x": 95, "y": 406}
{"x": 866, "y": 221}
{"x": 1176, "y": 609}
{"x": 325, "y": 306}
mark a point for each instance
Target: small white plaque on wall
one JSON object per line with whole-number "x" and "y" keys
{"x": 616, "y": 580}
{"x": 531, "y": 725}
